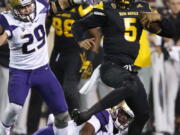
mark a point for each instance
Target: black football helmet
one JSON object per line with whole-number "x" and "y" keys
{"x": 124, "y": 3}
{"x": 16, "y": 5}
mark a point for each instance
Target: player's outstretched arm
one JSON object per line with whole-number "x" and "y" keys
{"x": 3, "y": 36}
{"x": 146, "y": 18}
{"x": 155, "y": 23}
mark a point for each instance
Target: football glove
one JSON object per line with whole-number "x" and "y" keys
{"x": 146, "y": 18}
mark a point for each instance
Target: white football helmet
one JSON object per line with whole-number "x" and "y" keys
{"x": 16, "y": 5}
{"x": 122, "y": 115}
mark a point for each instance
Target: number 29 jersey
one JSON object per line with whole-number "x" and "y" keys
{"x": 27, "y": 40}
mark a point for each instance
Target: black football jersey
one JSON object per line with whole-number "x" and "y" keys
{"x": 121, "y": 29}
{"x": 176, "y": 22}
{"x": 62, "y": 22}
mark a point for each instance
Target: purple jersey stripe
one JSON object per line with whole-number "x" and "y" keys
{"x": 48, "y": 130}
{"x": 4, "y": 22}
{"x": 103, "y": 118}
{"x": 46, "y": 6}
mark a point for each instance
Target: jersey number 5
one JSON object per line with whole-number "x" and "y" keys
{"x": 130, "y": 33}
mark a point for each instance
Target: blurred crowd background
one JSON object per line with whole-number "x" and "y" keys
{"x": 160, "y": 73}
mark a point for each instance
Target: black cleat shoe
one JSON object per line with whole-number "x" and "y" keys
{"x": 79, "y": 117}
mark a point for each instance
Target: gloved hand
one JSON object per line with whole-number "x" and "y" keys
{"x": 147, "y": 18}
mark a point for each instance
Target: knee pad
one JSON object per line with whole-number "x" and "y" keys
{"x": 11, "y": 114}
{"x": 61, "y": 120}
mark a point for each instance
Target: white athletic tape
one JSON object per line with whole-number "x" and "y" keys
{"x": 91, "y": 82}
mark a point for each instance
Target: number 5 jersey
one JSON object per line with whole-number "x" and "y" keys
{"x": 121, "y": 28}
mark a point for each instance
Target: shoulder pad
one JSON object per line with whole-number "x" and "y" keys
{"x": 84, "y": 9}
{"x": 100, "y": 6}
{"x": 143, "y": 5}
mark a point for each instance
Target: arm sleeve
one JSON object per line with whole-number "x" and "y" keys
{"x": 4, "y": 23}
{"x": 177, "y": 26}
{"x": 96, "y": 19}
{"x": 167, "y": 28}
{"x": 94, "y": 121}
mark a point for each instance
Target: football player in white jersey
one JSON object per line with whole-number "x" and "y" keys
{"x": 23, "y": 26}
{"x": 107, "y": 122}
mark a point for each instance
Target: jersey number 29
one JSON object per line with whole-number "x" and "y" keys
{"x": 39, "y": 33}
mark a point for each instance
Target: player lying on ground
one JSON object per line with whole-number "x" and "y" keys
{"x": 108, "y": 122}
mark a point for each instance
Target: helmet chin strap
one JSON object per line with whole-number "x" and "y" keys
{"x": 31, "y": 17}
